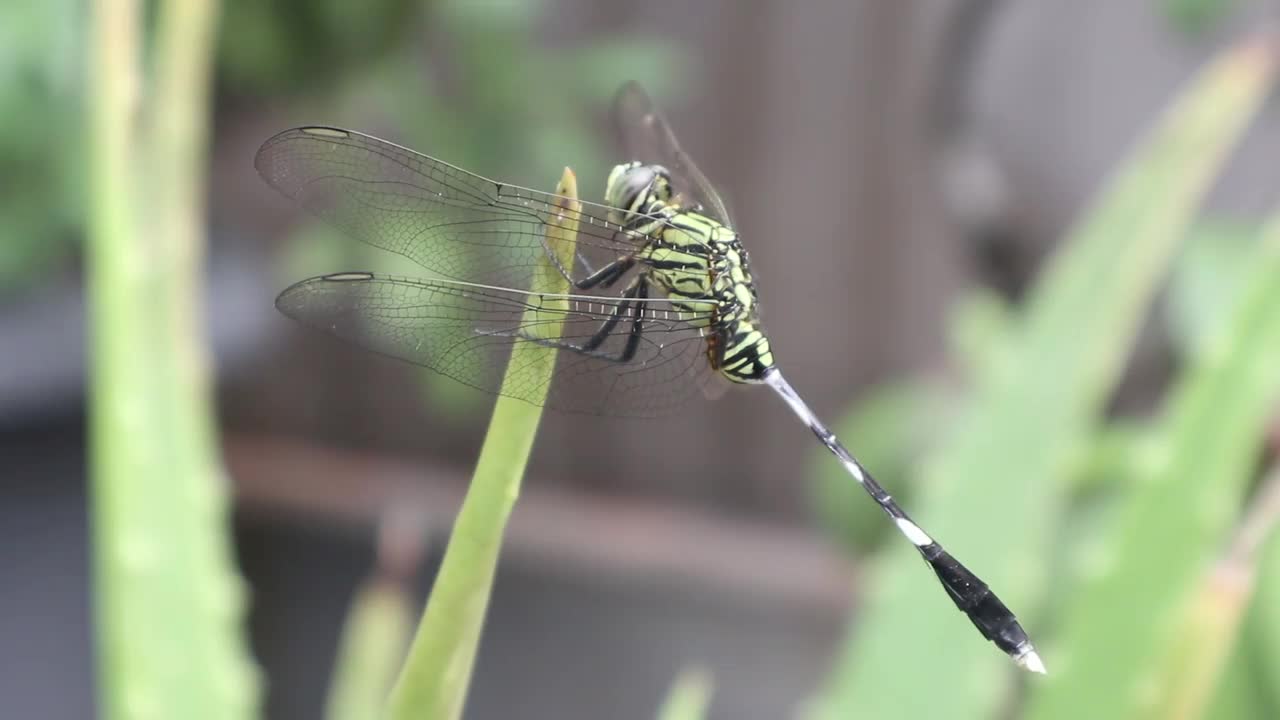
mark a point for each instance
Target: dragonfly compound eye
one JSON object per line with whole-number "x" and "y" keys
{"x": 634, "y": 187}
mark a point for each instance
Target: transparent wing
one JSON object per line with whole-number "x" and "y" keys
{"x": 646, "y": 136}
{"x": 466, "y": 331}
{"x": 448, "y": 220}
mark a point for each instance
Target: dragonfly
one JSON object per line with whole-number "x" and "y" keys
{"x": 655, "y": 304}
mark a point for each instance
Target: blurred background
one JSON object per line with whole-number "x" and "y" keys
{"x": 898, "y": 171}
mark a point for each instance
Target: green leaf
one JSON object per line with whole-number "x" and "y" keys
{"x": 433, "y": 682}
{"x": 169, "y": 607}
{"x": 1241, "y": 692}
{"x": 1208, "y": 277}
{"x": 1143, "y": 636}
{"x": 1111, "y": 457}
{"x": 1248, "y": 688}
{"x": 689, "y": 697}
{"x": 1263, "y": 625}
{"x": 370, "y": 651}
{"x": 994, "y": 493}
{"x": 979, "y": 325}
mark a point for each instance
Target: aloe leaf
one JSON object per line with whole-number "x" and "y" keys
{"x": 1207, "y": 645}
{"x": 994, "y": 493}
{"x": 1262, "y": 628}
{"x": 168, "y": 606}
{"x": 1208, "y": 277}
{"x": 1137, "y": 638}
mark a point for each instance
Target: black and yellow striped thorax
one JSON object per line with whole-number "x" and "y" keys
{"x": 694, "y": 257}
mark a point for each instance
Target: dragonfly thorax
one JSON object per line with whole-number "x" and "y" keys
{"x": 636, "y": 188}
{"x": 695, "y": 257}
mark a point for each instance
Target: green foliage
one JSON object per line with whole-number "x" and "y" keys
{"x": 1196, "y": 15}
{"x": 1118, "y": 636}
{"x": 279, "y": 47}
{"x": 41, "y": 137}
{"x": 1025, "y": 435}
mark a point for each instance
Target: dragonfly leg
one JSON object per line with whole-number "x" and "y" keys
{"x": 567, "y": 273}
{"x": 608, "y": 275}
{"x": 604, "y": 277}
{"x": 639, "y": 288}
{"x": 637, "y": 325}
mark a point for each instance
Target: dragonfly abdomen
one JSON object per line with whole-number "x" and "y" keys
{"x": 745, "y": 352}
{"x": 746, "y": 356}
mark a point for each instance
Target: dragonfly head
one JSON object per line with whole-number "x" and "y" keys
{"x": 634, "y": 188}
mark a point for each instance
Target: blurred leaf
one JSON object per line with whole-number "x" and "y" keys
{"x": 689, "y": 697}
{"x": 501, "y": 15}
{"x": 1241, "y": 693}
{"x": 169, "y": 606}
{"x": 1207, "y": 278}
{"x": 994, "y": 493}
{"x": 1262, "y": 628}
{"x": 979, "y": 325}
{"x": 1105, "y": 470}
{"x": 1248, "y": 686}
{"x": 41, "y": 138}
{"x": 284, "y": 47}
{"x": 1208, "y": 648}
{"x": 893, "y": 425}
{"x": 1114, "y": 456}
{"x": 433, "y": 682}
{"x": 1119, "y": 641}
{"x": 370, "y": 651}
{"x": 1196, "y": 15}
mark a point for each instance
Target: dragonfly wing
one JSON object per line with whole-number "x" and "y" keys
{"x": 448, "y": 220}
{"x": 466, "y": 331}
{"x": 647, "y": 136}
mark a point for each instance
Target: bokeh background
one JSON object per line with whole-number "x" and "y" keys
{"x": 899, "y": 172}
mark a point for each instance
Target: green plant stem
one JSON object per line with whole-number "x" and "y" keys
{"x": 433, "y": 682}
